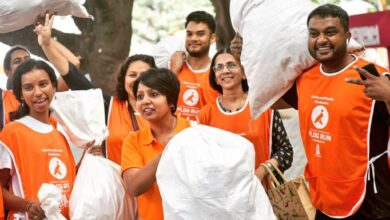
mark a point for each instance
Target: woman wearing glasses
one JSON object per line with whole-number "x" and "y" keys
{"x": 231, "y": 112}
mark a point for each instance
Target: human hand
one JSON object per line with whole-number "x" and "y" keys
{"x": 43, "y": 30}
{"x": 35, "y": 211}
{"x": 377, "y": 88}
{"x": 177, "y": 61}
{"x": 236, "y": 46}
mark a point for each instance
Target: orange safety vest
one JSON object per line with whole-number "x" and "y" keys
{"x": 258, "y": 131}
{"x": 38, "y": 158}
{"x": 335, "y": 125}
{"x": 10, "y": 104}
{"x": 195, "y": 92}
{"x": 119, "y": 126}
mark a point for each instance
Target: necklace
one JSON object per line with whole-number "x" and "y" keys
{"x": 225, "y": 109}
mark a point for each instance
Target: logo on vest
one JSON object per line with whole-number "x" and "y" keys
{"x": 191, "y": 97}
{"x": 57, "y": 168}
{"x": 320, "y": 117}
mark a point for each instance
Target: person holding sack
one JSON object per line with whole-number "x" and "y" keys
{"x": 33, "y": 152}
{"x": 156, "y": 92}
{"x": 231, "y": 112}
{"x": 121, "y": 116}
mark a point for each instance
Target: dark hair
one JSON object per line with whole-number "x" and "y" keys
{"x": 120, "y": 86}
{"x": 24, "y": 68}
{"x": 164, "y": 81}
{"x": 330, "y": 10}
{"x": 7, "y": 58}
{"x": 212, "y": 79}
{"x": 201, "y": 17}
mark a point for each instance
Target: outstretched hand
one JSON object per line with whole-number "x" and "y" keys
{"x": 377, "y": 88}
{"x": 44, "y": 30}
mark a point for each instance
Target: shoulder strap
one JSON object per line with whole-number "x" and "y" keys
{"x": 132, "y": 116}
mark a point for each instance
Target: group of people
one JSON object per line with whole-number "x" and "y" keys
{"x": 343, "y": 126}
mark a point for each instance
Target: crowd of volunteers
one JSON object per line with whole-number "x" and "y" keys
{"x": 343, "y": 119}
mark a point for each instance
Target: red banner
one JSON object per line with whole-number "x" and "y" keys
{"x": 372, "y": 29}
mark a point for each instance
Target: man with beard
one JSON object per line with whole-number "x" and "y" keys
{"x": 193, "y": 68}
{"x": 346, "y": 150}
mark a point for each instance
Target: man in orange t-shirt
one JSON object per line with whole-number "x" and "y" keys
{"x": 193, "y": 68}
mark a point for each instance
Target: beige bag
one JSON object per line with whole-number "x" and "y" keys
{"x": 290, "y": 199}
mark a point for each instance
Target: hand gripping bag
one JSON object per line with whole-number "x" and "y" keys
{"x": 208, "y": 173}
{"x": 81, "y": 114}
{"x": 99, "y": 192}
{"x": 15, "y": 15}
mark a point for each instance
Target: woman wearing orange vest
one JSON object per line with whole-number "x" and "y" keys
{"x": 119, "y": 109}
{"x": 230, "y": 112}
{"x": 33, "y": 152}
{"x": 157, "y": 92}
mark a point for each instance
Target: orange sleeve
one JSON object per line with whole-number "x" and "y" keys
{"x": 203, "y": 115}
{"x": 208, "y": 92}
{"x": 131, "y": 157}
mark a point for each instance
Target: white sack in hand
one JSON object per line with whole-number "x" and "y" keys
{"x": 81, "y": 114}
{"x": 274, "y": 49}
{"x": 50, "y": 198}
{"x": 211, "y": 177}
{"x": 17, "y": 14}
{"x": 99, "y": 193}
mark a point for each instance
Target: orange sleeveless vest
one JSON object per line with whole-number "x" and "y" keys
{"x": 258, "y": 131}
{"x": 39, "y": 158}
{"x": 10, "y": 104}
{"x": 335, "y": 125}
{"x": 195, "y": 92}
{"x": 119, "y": 126}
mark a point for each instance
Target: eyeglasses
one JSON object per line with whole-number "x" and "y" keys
{"x": 229, "y": 65}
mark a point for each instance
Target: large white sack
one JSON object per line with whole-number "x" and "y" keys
{"x": 207, "y": 173}
{"x": 81, "y": 114}
{"x": 274, "y": 49}
{"x": 99, "y": 193}
{"x": 17, "y": 14}
{"x": 164, "y": 49}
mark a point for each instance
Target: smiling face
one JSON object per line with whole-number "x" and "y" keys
{"x": 134, "y": 70}
{"x": 228, "y": 72}
{"x": 37, "y": 92}
{"x": 198, "y": 39}
{"x": 152, "y": 104}
{"x": 327, "y": 39}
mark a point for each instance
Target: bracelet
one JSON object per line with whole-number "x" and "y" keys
{"x": 29, "y": 205}
{"x": 270, "y": 166}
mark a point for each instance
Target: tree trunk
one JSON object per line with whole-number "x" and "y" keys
{"x": 225, "y": 32}
{"x": 105, "y": 42}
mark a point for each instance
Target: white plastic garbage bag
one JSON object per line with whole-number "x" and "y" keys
{"x": 164, "y": 49}
{"x": 81, "y": 114}
{"x": 51, "y": 197}
{"x": 18, "y": 14}
{"x": 207, "y": 173}
{"x": 99, "y": 192}
{"x": 274, "y": 49}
